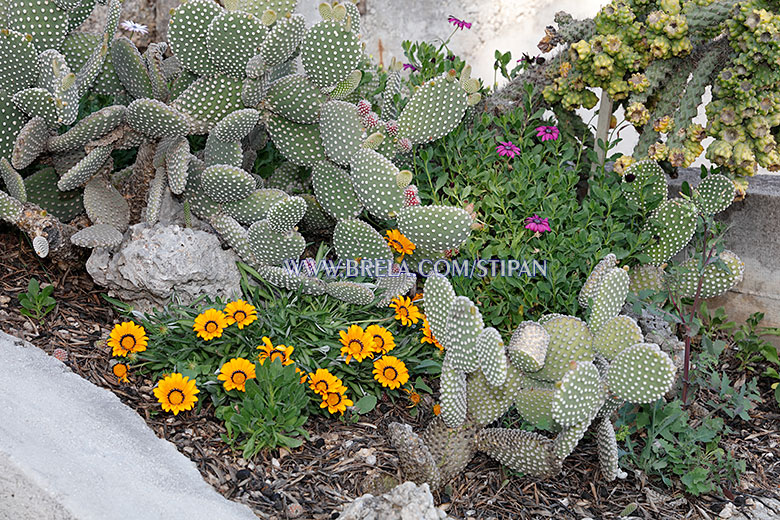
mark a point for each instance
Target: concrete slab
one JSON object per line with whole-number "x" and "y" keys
{"x": 72, "y": 451}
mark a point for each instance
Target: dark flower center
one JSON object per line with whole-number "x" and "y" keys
{"x": 238, "y": 377}
{"x": 403, "y": 311}
{"x": 630, "y": 177}
{"x": 276, "y": 354}
{"x": 175, "y": 396}
{"x": 239, "y": 316}
{"x": 127, "y": 345}
{"x": 392, "y": 371}
{"x": 322, "y": 386}
{"x": 548, "y": 130}
{"x": 536, "y": 220}
{"x": 211, "y": 326}
{"x": 380, "y": 342}
{"x": 359, "y": 343}
{"x": 334, "y": 399}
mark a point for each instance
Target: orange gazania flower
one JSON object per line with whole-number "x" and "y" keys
{"x": 336, "y": 401}
{"x": 280, "y": 352}
{"x": 176, "y": 393}
{"x": 235, "y": 373}
{"x": 391, "y": 372}
{"x": 120, "y": 371}
{"x": 357, "y": 343}
{"x": 383, "y": 338}
{"x": 437, "y": 409}
{"x": 405, "y": 311}
{"x": 241, "y": 313}
{"x": 126, "y": 338}
{"x": 428, "y": 336}
{"x": 210, "y": 323}
{"x": 400, "y": 243}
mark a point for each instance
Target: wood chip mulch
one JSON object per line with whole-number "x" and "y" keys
{"x": 343, "y": 461}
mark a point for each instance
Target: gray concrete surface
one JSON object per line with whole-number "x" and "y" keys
{"x": 754, "y": 235}
{"x": 72, "y": 451}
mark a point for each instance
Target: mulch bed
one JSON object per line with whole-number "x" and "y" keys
{"x": 343, "y": 461}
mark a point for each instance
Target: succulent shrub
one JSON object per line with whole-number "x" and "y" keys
{"x": 560, "y": 372}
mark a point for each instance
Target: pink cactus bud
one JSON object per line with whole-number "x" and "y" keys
{"x": 392, "y": 128}
{"x": 364, "y": 107}
{"x": 450, "y": 253}
{"x": 371, "y": 120}
{"x": 61, "y": 354}
{"x": 404, "y": 145}
{"x": 411, "y": 196}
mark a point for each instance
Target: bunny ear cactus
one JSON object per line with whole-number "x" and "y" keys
{"x": 557, "y": 372}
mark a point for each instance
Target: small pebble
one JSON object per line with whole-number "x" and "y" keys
{"x": 275, "y": 463}
{"x": 294, "y": 510}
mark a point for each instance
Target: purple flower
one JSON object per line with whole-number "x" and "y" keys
{"x": 547, "y": 133}
{"x": 408, "y": 66}
{"x": 460, "y": 24}
{"x": 537, "y": 224}
{"x": 507, "y": 149}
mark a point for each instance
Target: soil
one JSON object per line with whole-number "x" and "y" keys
{"x": 343, "y": 461}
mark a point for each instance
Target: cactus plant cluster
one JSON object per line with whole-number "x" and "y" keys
{"x": 657, "y": 57}
{"x": 560, "y": 372}
{"x": 233, "y": 76}
{"x": 671, "y": 224}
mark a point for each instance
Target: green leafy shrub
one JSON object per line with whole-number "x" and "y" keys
{"x": 36, "y": 302}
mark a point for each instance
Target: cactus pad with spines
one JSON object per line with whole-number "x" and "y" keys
{"x": 234, "y": 235}
{"x": 130, "y": 68}
{"x": 85, "y": 169}
{"x": 610, "y": 295}
{"x": 236, "y": 125}
{"x": 79, "y": 48}
{"x": 43, "y": 19}
{"x": 315, "y": 217}
{"x": 438, "y": 296}
{"x": 188, "y": 35}
{"x": 300, "y": 144}
{"x": 616, "y": 335}
{"x": 14, "y": 183}
{"x": 10, "y": 208}
{"x": 641, "y": 374}
{"x": 12, "y": 120}
{"x": 436, "y": 228}
{"x": 520, "y": 450}
{"x": 30, "y": 143}
{"x": 486, "y": 403}
{"x": 39, "y": 102}
{"x": 636, "y": 180}
{"x": 223, "y": 183}
{"x": 353, "y": 238}
{"x": 99, "y": 235}
{"x": 209, "y": 99}
{"x": 607, "y": 449}
{"x": 567, "y": 439}
{"x": 334, "y": 191}
{"x": 346, "y": 86}
{"x": 222, "y": 152}
{"x": 374, "y": 179}
{"x": 715, "y": 281}
{"x": 41, "y": 188}
{"x": 289, "y": 280}
{"x": 645, "y": 278}
{"x": 534, "y": 402}
{"x": 590, "y": 287}
{"x": 492, "y": 356}
{"x": 282, "y": 40}
{"x": 105, "y": 205}
{"x": 177, "y": 165}
{"x": 433, "y": 111}
{"x": 233, "y": 39}
{"x": 453, "y": 396}
{"x": 154, "y": 197}
{"x": 329, "y": 52}
{"x": 18, "y": 62}
{"x": 92, "y": 127}
{"x": 570, "y": 340}
{"x": 342, "y": 131}
{"x": 296, "y": 98}
{"x": 715, "y": 194}
{"x": 464, "y": 325}
{"x": 156, "y": 119}
{"x": 672, "y": 224}
{"x": 393, "y": 285}
{"x": 350, "y": 292}
{"x": 579, "y": 396}
{"x": 254, "y": 207}
{"x": 273, "y": 248}
{"x": 41, "y": 246}
{"x": 286, "y": 213}
{"x": 528, "y": 346}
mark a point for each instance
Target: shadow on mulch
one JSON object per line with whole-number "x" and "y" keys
{"x": 343, "y": 461}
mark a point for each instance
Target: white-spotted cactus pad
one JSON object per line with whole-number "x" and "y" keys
{"x": 18, "y": 62}
{"x": 272, "y": 248}
{"x": 492, "y": 356}
{"x": 638, "y": 178}
{"x": 520, "y": 450}
{"x": 300, "y": 144}
{"x": 130, "y": 69}
{"x": 570, "y": 340}
{"x": 433, "y": 111}
{"x": 295, "y": 98}
{"x": 40, "y": 245}
{"x": 154, "y": 196}
{"x": 236, "y": 125}
{"x": 42, "y": 19}
{"x": 579, "y": 396}
{"x": 464, "y": 326}
{"x": 177, "y": 165}
{"x": 616, "y": 335}
{"x": 92, "y": 127}
{"x": 645, "y": 278}
{"x": 591, "y": 286}
{"x": 154, "y": 118}
{"x": 41, "y": 188}
{"x": 316, "y": 217}
{"x": 99, "y": 235}
{"x": 56, "y": 77}
{"x": 234, "y": 235}
{"x": 79, "y": 48}
{"x": 342, "y": 131}
{"x": 607, "y": 449}
{"x": 486, "y": 403}
{"x": 436, "y": 228}
{"x": 715, "y": 194}
{"x": 10, "y": 208}
{"x": 286, "y": 177}
{"x": 453, "y": 396}
{"x": 350, "y": 292}
{"x": 232, "y": 40}
{"x": 438, "y": 296}
{"x": 189, "y": 37}
{"x": 641, "y": 374}
{"x": 12, "y": 120}
{"x": 85, "y": 169}
{"x": 716, "y": 280}
{"x": 347, "y": 86}
{"x": 610, "y": 297}
{"x": 672, "y": 225}
{"x": 105, "y": 205}
{"x": 329, "y": 52}
{"x": 39, "y": 102}
{"x": 374, "y": 179}
{"x": 223, "y": 183}
{"x": 209, "y": 100}
{"x": 286, "y": 213}
{"x": 534, "y": 402}
{"x": 392, "y": 87}
{"x": 283, "y": 40}
{"x": 568, "y": 439}
{"x": 254, "y": 207}
{"x": 289, "y": 280}
{"x": 14, "y": 183}
{"x": 223, "y": 152}
{"x": 355, "y": 239}
{"x": 528, "y": 346}
{"x": 389, "y": 287}
{"x": 30, "y": 143}
{"x": 334, "y": 191}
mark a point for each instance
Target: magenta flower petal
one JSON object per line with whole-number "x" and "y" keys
{"x": 507, "y": 149}
{"x": 408, "y": 66}
{"x": 537, "y": 224}
{"x": 547, "y": 133}
{"x": 460, "y": 24}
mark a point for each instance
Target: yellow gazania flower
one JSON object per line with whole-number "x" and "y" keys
{"x": 322, "y": 382}
{"x": 127, "y": 337}
{"x": 210, "y": 324}
{"x": 399, "y": 242}
{"x": 235, "y": 373}
{"x": 414, "y": 397}
{"x": 391, "y": 372}
{"x": 357, "y": 343}
{"x": 241, "y": 313}
{"x": 428, "y": 336}
{"x": 176, "y": 393}
{"x": 280, "y": 352}
{"x": 405, "y": 311}
{"x": 437, "y": 409}
{"x": 336, "y": 401}
{"x": 304, "y": 375}
{"x": 120, "y": 371}
{"x": 383, "y": 338}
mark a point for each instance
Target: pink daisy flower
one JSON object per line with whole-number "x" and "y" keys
{"x": 547, "y": 133}
{"x": 537, "y": 224}
{"x": 507, "y": 149}
{"x": 460, "y": 24}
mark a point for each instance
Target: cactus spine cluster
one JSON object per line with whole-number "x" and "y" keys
{"x": 560, "y": 372}
{"x": 233, "y": 77}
